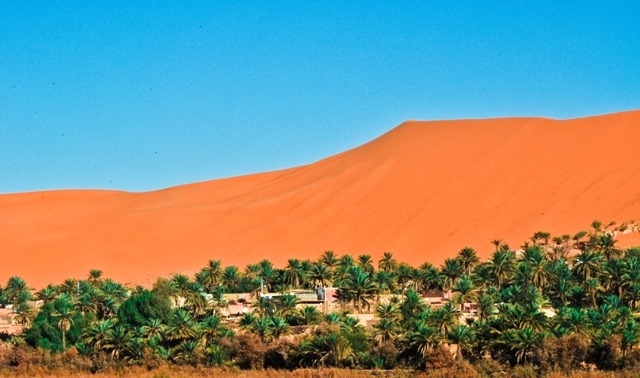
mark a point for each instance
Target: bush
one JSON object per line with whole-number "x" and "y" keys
{"x": 564, "y": 354}
{"x": 250, "y": 351}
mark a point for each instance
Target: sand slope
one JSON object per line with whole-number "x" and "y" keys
{"x": 422, "y": 191}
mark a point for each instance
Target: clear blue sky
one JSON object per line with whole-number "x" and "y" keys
{"x": 149, "y": 95}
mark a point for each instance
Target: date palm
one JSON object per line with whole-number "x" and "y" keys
{"x": 209, "y": 276}
{"x": 385, "y": 331}
{"x": 463, "y": 337}
{"x": 116, "y": 342}
{"x": 359, "y": 288}
{"x": 278, "y": 327}
{"x": 464, "y": 292}
{"x": 452, "y": 269}
{"x": 64, "y": 314}
{"x": 95, "y": 278}
{"x": 47, "y": 294}
{"x": 502, "y": 266}
{"x": 387, "y": 263}
{"x": 469, "y": 258}
{"x": 181, "y": 325}
{"x": 212, "y": 330}
{"x": 320, "y": 275}
{"x": 329, "y": 259}
{"x": 309, "y": 315}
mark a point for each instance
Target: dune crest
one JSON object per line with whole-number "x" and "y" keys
{"x": 423, "y": 191}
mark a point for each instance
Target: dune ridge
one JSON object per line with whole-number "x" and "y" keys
{"x": 423, "y": 191}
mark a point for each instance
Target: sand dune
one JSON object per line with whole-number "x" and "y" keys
{"x": 422, "y": 191}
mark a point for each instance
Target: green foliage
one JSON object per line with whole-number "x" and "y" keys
{"x": 136, "y": 310}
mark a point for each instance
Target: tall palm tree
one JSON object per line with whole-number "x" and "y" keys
{"x": 387, "y": 263}
{"x": 95, "y": 278}
{"x": 359, "y": 287}
{"x": 209, "y": 276}
{"x": 452, "y": 269}
{"x": 502, "y": 266}
{"x": 320, "y": 275}
{"x": 463, "y": 337}
{"x": 469, "y": 258}
{"x": 231, "y": 278}
{"x": 65, "y": 316}
{"x": 366, "y": 263}
{"x": 294, "y": 273}
{"x": 329, "y": 259}
{"x": 464, "y": 292}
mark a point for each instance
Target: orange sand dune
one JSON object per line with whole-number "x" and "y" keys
{"x": 422, "y": 191}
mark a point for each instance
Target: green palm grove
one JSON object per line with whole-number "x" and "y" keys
{"x": 524, "y": 304}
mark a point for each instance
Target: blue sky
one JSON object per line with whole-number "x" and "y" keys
{"x": 148, "y": 95}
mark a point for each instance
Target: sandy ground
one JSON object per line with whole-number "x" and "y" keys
{"x": 423, "y": 191}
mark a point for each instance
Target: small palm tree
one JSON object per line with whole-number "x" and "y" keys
{"x": 278, "y": 327}
{"x": 463, "y": 337}
{"x": 117, "y": 341}
{"x": 385, "y": 331}
{"x": 65, "y": 319}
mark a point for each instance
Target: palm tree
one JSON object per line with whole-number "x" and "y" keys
{"x": 366, "y": 263}
{"x": 117, "y": 340}
{"x": 469, "y": 258}
{"x": 523, "y": 342}
{"x": 502, "y": 265}
{"x": 385, "y": 331}
{"x": 95, "y": 277}
{"x": 24, "y": 314}
{"x": 320, "y": 275}
{"x": 212, "y": 330}
{"x": 452, "y": 269}
{"x": 387, "y": 263}
{"x": 390, "y": 311}
{"x": 464, "y": 292}
{"x": 586, "y": 264}
{"x": 16, "y": 288}
{"x": 181, "y": 326}
{"x": 278, "y": 327}
{"x": 97, "y": 333}
{"x": 463, "y": 337}
{"x": 535, "y": 258}
{"x": 424, "y": 339}
{"x": 329, "y": 259}
{"x": 288, "y": 303}
{"x": 294, "y": 273}
{"x": 218, "y": 301}
{"x": 606, "y": 243}
{"x": 65, "y": 319}
{"x": 209, "y": 276}
{"x": 187, "y": 351}
{"x": 231, "y": 278}
{"x": 48, "y": 294}
{"x": 358, "y": 287}
{"x": 309, "y": 315}
{"x": 592, "y": 287}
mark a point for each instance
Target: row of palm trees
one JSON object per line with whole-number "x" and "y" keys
{"x": 549, "y": 289}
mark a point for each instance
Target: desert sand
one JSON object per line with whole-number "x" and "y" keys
{"x": 423, "y": 191}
